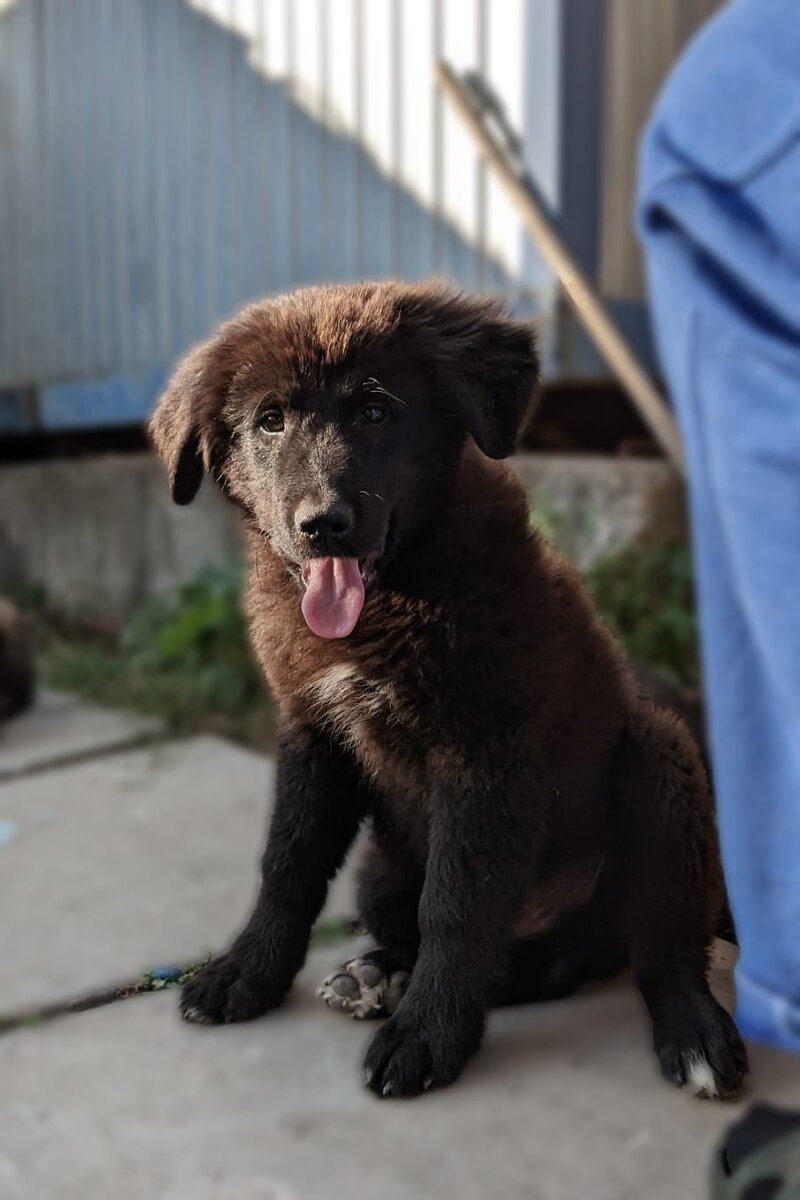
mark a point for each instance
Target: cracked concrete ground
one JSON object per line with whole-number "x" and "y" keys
{"x": 129, "y": 860}
{"x": 147, "y": 855}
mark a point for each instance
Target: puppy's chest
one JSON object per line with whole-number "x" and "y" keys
{"x": 376, "y": 713}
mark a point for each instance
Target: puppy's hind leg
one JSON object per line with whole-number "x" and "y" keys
{"x": 668, "y": 824}
{"x": 372, "y": 985}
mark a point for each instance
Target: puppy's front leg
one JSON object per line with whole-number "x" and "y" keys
{"x": 320, "y": 800}
{"x": 473, "y": 884}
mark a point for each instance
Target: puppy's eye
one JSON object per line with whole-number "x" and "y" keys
{"x": 271, "y": 420}
{"x": 374, "y": 413}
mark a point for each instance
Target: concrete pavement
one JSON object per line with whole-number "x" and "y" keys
{"x": 61, "y": 730}
{"x": 145, "y": 856}
{"x": 130, "y": 860}
{"x": 564, "y": 1101}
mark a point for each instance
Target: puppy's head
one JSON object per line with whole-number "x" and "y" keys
{"x": 335, "y": 417}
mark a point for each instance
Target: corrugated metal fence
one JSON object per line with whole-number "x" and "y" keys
{"x": 162, "y": 161}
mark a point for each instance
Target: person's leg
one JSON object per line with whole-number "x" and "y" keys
{"x": 718, "y": 217}
{"x": 751, "y": 628}
{"x": 745, "y": 500}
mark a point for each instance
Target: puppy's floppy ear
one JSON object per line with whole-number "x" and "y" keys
{"x": 185, "y": 421}
{"x": 485, "y": 361}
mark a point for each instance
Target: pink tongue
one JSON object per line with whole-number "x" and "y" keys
{"x": 334, "y": 596}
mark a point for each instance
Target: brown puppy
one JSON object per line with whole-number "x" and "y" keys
{"x": 440, "y": 671}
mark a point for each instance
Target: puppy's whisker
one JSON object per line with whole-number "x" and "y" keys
{"x": 377, "y": 387}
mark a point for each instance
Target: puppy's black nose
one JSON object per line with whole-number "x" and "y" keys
{"x": 334, "y": 521}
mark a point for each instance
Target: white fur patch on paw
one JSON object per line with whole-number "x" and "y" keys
{"x": 700, "y": 1077}
{"x": 360, "y": 989}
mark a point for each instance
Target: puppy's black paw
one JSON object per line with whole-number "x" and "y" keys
{"x": 225, "y": 991}
{"x": 699, "y": 1047}
{"x": 406, "y": 1058}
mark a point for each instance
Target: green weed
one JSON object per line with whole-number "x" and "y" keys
{"x": 184, "y": 658}
{"x": 646, "y": 593}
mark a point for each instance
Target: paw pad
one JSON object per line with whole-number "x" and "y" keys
{"x": 361, "y": 988}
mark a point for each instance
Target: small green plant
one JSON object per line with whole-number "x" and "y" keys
{"x": 646, "y": 593}
{"x": 544, "y": 517}
{"x": 184, "y": 658}
{"x": 199, "y": 631}
{"x": 332, "y": 932}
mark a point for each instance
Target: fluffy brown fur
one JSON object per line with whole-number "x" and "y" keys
{"x": 534, "y": 823}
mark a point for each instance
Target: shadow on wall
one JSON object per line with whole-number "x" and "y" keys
{"x": 154, "y": 181}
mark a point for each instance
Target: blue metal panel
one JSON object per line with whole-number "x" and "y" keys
{"x": 115, "y": 400}
{"x": 126, "y": 399}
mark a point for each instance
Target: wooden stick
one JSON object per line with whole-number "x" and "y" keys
{"x": 587, "y": 303}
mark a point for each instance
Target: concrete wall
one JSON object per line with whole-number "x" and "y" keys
{"x": 595, "y": 506}
{"x": 100, "y": 535}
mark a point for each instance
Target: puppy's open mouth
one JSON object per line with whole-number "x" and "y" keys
{"x": 335, "y": 590}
